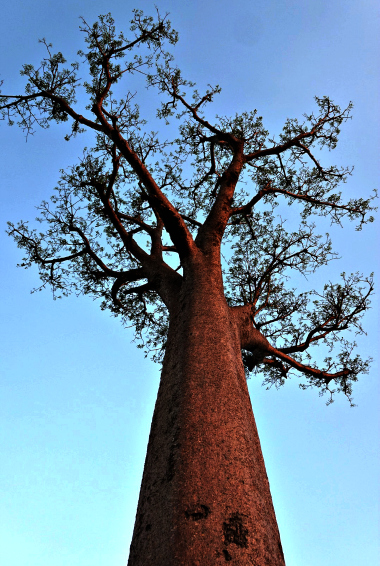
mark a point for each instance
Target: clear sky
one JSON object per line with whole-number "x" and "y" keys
{"x": 77, "y": 396}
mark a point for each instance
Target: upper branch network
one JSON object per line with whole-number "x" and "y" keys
{"x": 135, "y": 198}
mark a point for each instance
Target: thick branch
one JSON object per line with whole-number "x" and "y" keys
{"x": 246, "y": 209}
{"x": 211, "y": 233}
{"x": 123, "y": 279}
{"x": 172, "y": 219}
{"x": 313, "y": 372}
{"x": 254, "y": 342}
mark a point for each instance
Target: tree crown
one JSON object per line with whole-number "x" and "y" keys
{"x": 124, "y": 221}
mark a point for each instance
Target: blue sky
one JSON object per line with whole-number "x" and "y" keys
{"x": 77, "y": 396}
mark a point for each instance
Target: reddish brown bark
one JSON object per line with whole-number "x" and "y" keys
{"x": 205, "y": 497}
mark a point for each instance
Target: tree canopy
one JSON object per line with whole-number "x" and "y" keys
{"x": 123, "y": 220}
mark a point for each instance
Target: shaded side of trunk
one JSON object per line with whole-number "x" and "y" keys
{"x": 205, "y": 497}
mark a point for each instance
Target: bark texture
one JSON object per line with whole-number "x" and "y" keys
{"x": 205, "y": 497}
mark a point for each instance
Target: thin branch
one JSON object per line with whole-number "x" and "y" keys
{"x": 191, "y": 220}
{"x": 313, "y": 133}
{"x": 92, "y": 254}
{"x": 58, "y": 100}
{"x": 269, "y": 189}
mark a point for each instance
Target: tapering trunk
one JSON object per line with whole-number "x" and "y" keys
{"x": 205, "y": 497}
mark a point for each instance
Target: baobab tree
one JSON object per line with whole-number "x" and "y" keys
{"x": 181, "y": 237}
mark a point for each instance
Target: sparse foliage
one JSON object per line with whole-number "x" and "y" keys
{"x": 124, "y": 221}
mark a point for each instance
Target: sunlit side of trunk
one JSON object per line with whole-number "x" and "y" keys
{"x": 205, "y": 497}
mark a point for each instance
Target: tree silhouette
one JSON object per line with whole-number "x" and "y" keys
{"x": 181, "y": 237}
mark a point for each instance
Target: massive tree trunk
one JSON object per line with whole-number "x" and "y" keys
{"x": 205, "y": 497}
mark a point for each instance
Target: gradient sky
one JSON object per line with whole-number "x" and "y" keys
{"x": 77, "y": 396}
